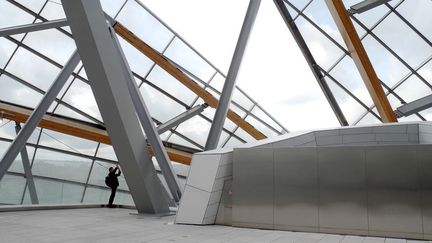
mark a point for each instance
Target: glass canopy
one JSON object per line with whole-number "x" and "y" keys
{"x": 396, "y": 35}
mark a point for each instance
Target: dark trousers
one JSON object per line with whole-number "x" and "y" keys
{"x": 111, "y": 199}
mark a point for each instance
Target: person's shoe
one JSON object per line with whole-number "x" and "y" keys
{"x": 110, "y": 206}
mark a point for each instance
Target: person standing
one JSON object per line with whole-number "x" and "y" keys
{"x": 112, "y": 181}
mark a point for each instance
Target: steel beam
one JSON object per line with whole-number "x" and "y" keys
{"x": 34, "y": 119}
{"x": 103, "y": 66}
{"x": 361, "y": 59}
{"x": 414, "y": 106}
{"x": 32, "y": 27}
{"x": 366, "y": 5}
{"x": 184, "y": 79}
{"x": 228, "y": 88}
{"x": 148, "y": 125}
{"x": 311, "y": 61}
{"x": 181, "y": 118}
{"x": 27, "y": 170}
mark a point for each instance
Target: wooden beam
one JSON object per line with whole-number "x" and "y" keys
{"x": 361, "y": 59}
{"x": 183, "y": 78}
{"x": 78, "y": 129}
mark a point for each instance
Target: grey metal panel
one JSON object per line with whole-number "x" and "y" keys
{"x": 342, "y": 185}
{"x": 393, "y": 184}
{"x": 296, "y": 188}
{"x": 253, "y": 188}
{"x": 424, "y": 159}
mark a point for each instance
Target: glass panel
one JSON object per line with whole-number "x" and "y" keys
{"x": 59, "y": 165}
{"x": 350, "y": 107}
{"x": 426, "y": 72}
{"x": 300, "y": 4}
{"x": 318, "y": 12}
{"x": 97, "y": 195}
{"x": 145, "y": 26}
{"x": 347, "y": 74}
{"x": 370, "y": 17}
{"x": 111, "y": 7}
{"x": 33, "y": 69}
{"x": 107, "y": 152}
{"x": 34, "y": 5}
{"x": 244, "y": 135}
{"x": 403, "y": 40}
{"x": 138, "y": 62}
{"x": 260, "y": 127}
{"x": 12, "y": 16}
{"x": 57, "y": 192}
{"x": 368, "y": 119}
{"x": 123, "y": 198}
{"x": 17, "y": 165}
{"x": 184, "y": 56}
{"x": 6, "y": 49}
{"x": 81, "y": 96}
{"x": 7, "y": 129}
{"x": 233, "y": 142}
{"x": 67, "y": 142}
{"x": 49, "y": 42}
{"x": 388, "y": 68}
{"x": 417, "y": 12}
{"x": 168, "y": 83}
{"x": 11, "y": 189}
{"x": 324, "y": 51}
{"x": 217, "y": 82}
{"x": 160, "y": 106}
{"x": 174, "y": 138}
{"x": 412, "y": 89}
{"x": 196, "y": 128}
{"x": 223, "y": 139}
{"x": 65, "y": 111}
{"x": 241, "y": 99}
{"x": 17, "y": 93}
{"x": 53, "y": 10}
{"x": 264, "y": 117}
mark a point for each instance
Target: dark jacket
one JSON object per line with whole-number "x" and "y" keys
{"x": 113, "y": 177}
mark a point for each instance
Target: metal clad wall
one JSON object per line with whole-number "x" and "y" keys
{"x": 253, "y": 189}
{"x": 296, "y": 189}
{"x": 367, "y": 190}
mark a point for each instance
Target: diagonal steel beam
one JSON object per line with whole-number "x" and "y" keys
{"x": 366, "y": 5}
{"x": 414, "y": 106}
{"x": 20, "y": 140}
{"x": 27, "y": 170}
{"x": 228, "y": 88}
{"x": 361, "y": 59}
{"x": 311, "y": 61}
{"x": 147, "y": 124}
{"x": 181, "y": 118}
{"x": 32, "y": 27}
{"x": 103, "y": 66}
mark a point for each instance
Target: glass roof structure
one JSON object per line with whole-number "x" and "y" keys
{"x": 67, "y": 169}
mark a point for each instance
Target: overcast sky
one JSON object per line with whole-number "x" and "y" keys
{"x": 273, "y": 72}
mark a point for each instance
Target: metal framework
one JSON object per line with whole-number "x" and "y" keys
{"x": 311, "y": 62}
{"x": 299, "y": 11}
{"x": 361, "y": 59}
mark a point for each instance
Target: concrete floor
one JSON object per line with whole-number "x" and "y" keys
{"x": 122, "y": 225}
